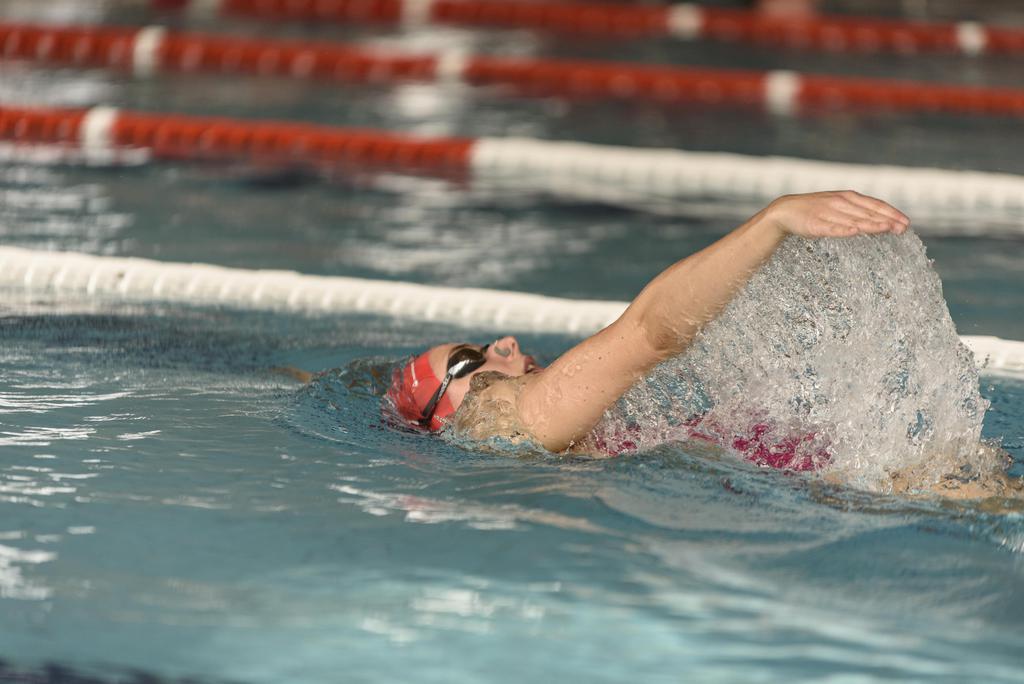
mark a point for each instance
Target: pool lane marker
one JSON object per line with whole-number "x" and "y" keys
{"x": 684, "y": 21}
{"x": 96, "y": 132}
{"x": 971, "y": 38}
{"x": 782, "y": 90}
{"x": 143, "y": 280}
{"x": 681, "y": 21}
{"x": 151, "y": 50}
{"x": 654, "y": 180}
{"x": 146, "y": 51}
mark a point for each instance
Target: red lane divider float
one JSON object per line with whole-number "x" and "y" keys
{"x": 661, "y": 180}
{"x": 683, "y": 21}
{"x": 149, "y": 50}
{"x": 169, "y": 136}
{"x": 645, "y": 179}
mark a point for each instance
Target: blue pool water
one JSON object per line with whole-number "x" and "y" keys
{"x": 170, "y": 508}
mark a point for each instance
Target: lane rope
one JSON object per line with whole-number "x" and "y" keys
{"x": 145, "y": 280}
{"x": 684, "y": 21}
{"x": 200, "y": 284}
{"x": 653, "y": 180}
{"x": 151, "y": 50}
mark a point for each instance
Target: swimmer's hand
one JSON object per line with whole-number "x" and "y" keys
{"x": 834, "y": 214}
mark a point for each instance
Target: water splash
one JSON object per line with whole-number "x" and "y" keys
{"x": 843, "y": 351}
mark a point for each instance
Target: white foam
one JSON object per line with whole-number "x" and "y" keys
{"x": 845, "y": 342}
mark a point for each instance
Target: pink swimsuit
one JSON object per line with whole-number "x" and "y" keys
{"x": 755, "y": 446}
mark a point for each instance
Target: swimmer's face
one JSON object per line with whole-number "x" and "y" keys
{"x": 503, "y": 355}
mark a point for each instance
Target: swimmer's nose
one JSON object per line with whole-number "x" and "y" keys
{"x": 506, "y": 347}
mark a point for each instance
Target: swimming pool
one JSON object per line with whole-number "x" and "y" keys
{"x": 173, "y": 508}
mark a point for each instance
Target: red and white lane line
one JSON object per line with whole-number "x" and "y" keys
{"x": 144, "y": 280}
{"x": 147, "y": 51}
{"x": 648, "y": 179}
{"x": 685, "y": 21}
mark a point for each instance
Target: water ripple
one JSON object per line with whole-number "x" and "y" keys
{"x": 27, "y": 403}
{"x": 420, "y": 509}
{"x": 12, "y": 583}
{"x": 44, "y": 436}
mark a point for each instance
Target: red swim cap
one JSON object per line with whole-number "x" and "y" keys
{"x": 412, "y": 387}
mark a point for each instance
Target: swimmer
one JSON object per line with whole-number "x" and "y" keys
{"x": 496, "y": 390}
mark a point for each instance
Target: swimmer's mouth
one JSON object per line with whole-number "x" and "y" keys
{"x": 531, "y": 365}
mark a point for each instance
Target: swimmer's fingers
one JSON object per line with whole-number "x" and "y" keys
{"x": 840, "y": 224}
{"x": 876, "y": 227}
{"x": 827, "y": 227}
{"x": 876, "y": 207}
{"x": 835, "y": 214}
{"x": 868, "y": 214}
{"x": 870, "y": 223}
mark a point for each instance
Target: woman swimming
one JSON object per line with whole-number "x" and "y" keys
{"x": 495, "y": 390}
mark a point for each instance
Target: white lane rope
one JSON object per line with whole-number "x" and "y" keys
{"x": 660, "y": 180}
{"x": 145, "y": 280}
{"x": 204, "y": 285}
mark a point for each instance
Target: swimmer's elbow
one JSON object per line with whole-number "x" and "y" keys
{"x": 657, "y": 340}
{"x": 654, "y": 335}
{"x": 661, "y": 344}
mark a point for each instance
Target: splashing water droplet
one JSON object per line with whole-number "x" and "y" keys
{"x": 838, "y": 355}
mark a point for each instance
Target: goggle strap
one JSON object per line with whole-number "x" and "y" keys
{"x": 431, "y": 406}
{"x": 456, "y": 371}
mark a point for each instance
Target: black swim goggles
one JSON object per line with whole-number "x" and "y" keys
{"x": 461, "y": 363}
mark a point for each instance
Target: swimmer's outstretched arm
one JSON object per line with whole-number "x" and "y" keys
{"x": 562, "y": 405}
